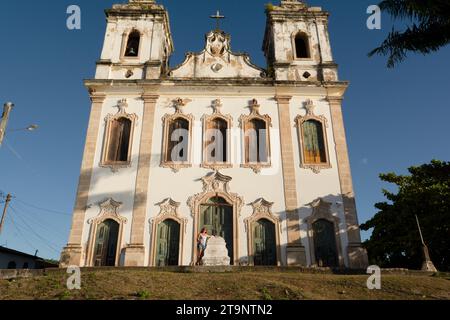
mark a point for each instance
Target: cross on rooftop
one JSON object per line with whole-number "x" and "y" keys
{"x": 217, "y": 17}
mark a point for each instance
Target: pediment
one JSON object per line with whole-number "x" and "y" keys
{"x": 217, "y": 61}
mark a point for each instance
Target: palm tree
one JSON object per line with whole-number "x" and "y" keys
{"x": 429, "y": 31}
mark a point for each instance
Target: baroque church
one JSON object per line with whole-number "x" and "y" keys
{"x": 256, "y": 156}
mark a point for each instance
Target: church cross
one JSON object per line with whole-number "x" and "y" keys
{"x": 217, "y": 17}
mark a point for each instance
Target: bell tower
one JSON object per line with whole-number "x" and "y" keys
{"x": 138, "y": 42}
{"x": 296, "y": 43}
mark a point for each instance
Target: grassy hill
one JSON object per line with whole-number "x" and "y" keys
{"x": 250, "y": 284}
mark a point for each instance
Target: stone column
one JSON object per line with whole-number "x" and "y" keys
{"x": 295, "y": 251}
{"x": 73, "y": 253}
{"x": 357, "y": 255}
{"x": 135, "y": 251}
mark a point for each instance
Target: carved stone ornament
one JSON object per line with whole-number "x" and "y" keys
{"x": 255, "y": 114}
{"x": 262, "y": 209}
{"x": 122, "y": 105}
{"x": 169, "y": 209}
{"x": 216, "y": 184}
{"x": 108, "y": 210}
{"x": 179, "y": 103}
{"x": 299, "y": 121}
{"x": 217, "y": 43}
{"x": 217, "y": 113}
{"x": 217, "y": 60}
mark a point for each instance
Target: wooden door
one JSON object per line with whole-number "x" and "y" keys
{"x": 217, "y": 218}
{"x": 325, "y": 243}
{"x": 264, "y": 243}
{"x": 168, "y": 243}
{"x": 106, "y": 241}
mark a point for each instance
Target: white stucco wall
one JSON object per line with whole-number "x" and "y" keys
{"x": 312, "y": 186}
{"x": 117, "y": 185}
{"x": 164, "y": 183}
{"x": 184, "y": 184}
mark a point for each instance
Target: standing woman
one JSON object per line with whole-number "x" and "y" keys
{"x": 202, "y": 238}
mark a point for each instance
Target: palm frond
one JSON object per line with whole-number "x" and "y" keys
{"x": 419, "y": 10}
{"x": 430, "y": 29}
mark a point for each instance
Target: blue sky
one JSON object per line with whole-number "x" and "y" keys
{"x": 394, "y": 118}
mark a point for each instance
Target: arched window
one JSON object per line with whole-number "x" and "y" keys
{"x": 256, "y": 144}
{"x": 176, "y": 144}
{"x": 12, "y": 265}
{"x": 118, "y": 144}
{"x": 216, "y": 140}
{"x": 25, "y": 265}
{"x": 118, "y": 139}
{"x": 177, "y": 141}
{"x": 256, "y": 138}
{"x": 132, "y": 48}
{"x": 314, "y": 149}
{"x": 302, "y": 46}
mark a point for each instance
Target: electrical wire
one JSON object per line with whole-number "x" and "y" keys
{"x": 43, "y": 209}
{"x": 43, "y": 225}
{"x": 20, "y": 233}
{"x": 44, "y": 241}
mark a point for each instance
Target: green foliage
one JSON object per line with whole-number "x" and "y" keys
{"x": 429, "y": 30}
{"x": 266, "y": 295}
{"x": 395, "y": 241}
{"x": 269, "y": 7}
{"x": 143, "y": 294}
{"x": 65, "y": 295}
{"x": 53, "y": 261}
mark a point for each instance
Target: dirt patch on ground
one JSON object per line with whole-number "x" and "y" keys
{"x": 251, "y": 285}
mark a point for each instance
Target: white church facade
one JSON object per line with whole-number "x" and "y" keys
{"x": 256, "y": 156}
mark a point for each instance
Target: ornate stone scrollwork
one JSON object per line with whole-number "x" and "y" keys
{"x": 108, "y": 210}
{"x": 168, "y": 207}
{"x": 244, "y": 119}
{"x": 262, "y": 209}
{"x": 217, "y": 43}
{"x": 207, "y": 119}
{"x": 299, "y": 121}
{"x": 167, "y": 119}
{"x": 115, "y": 166}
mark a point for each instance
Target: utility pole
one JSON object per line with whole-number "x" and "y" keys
{"x": 4, "y": 121}
{"x": 427, "y": 264}
{"x": 8, "y": 200}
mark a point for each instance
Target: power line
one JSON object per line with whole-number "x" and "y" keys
{"x": 21, "y": 234}
{"x": 43, "y": 225}
{"x": 43, "y": 209}
{"x": 44, "y": 241}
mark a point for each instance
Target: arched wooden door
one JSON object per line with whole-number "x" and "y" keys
{"x": 168, "y": 243}
{"x": 264, "y": 243}
{"x": 217, "y": 217}
{"x": 325, "y": 243}
{"x": 106, "y": 240}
